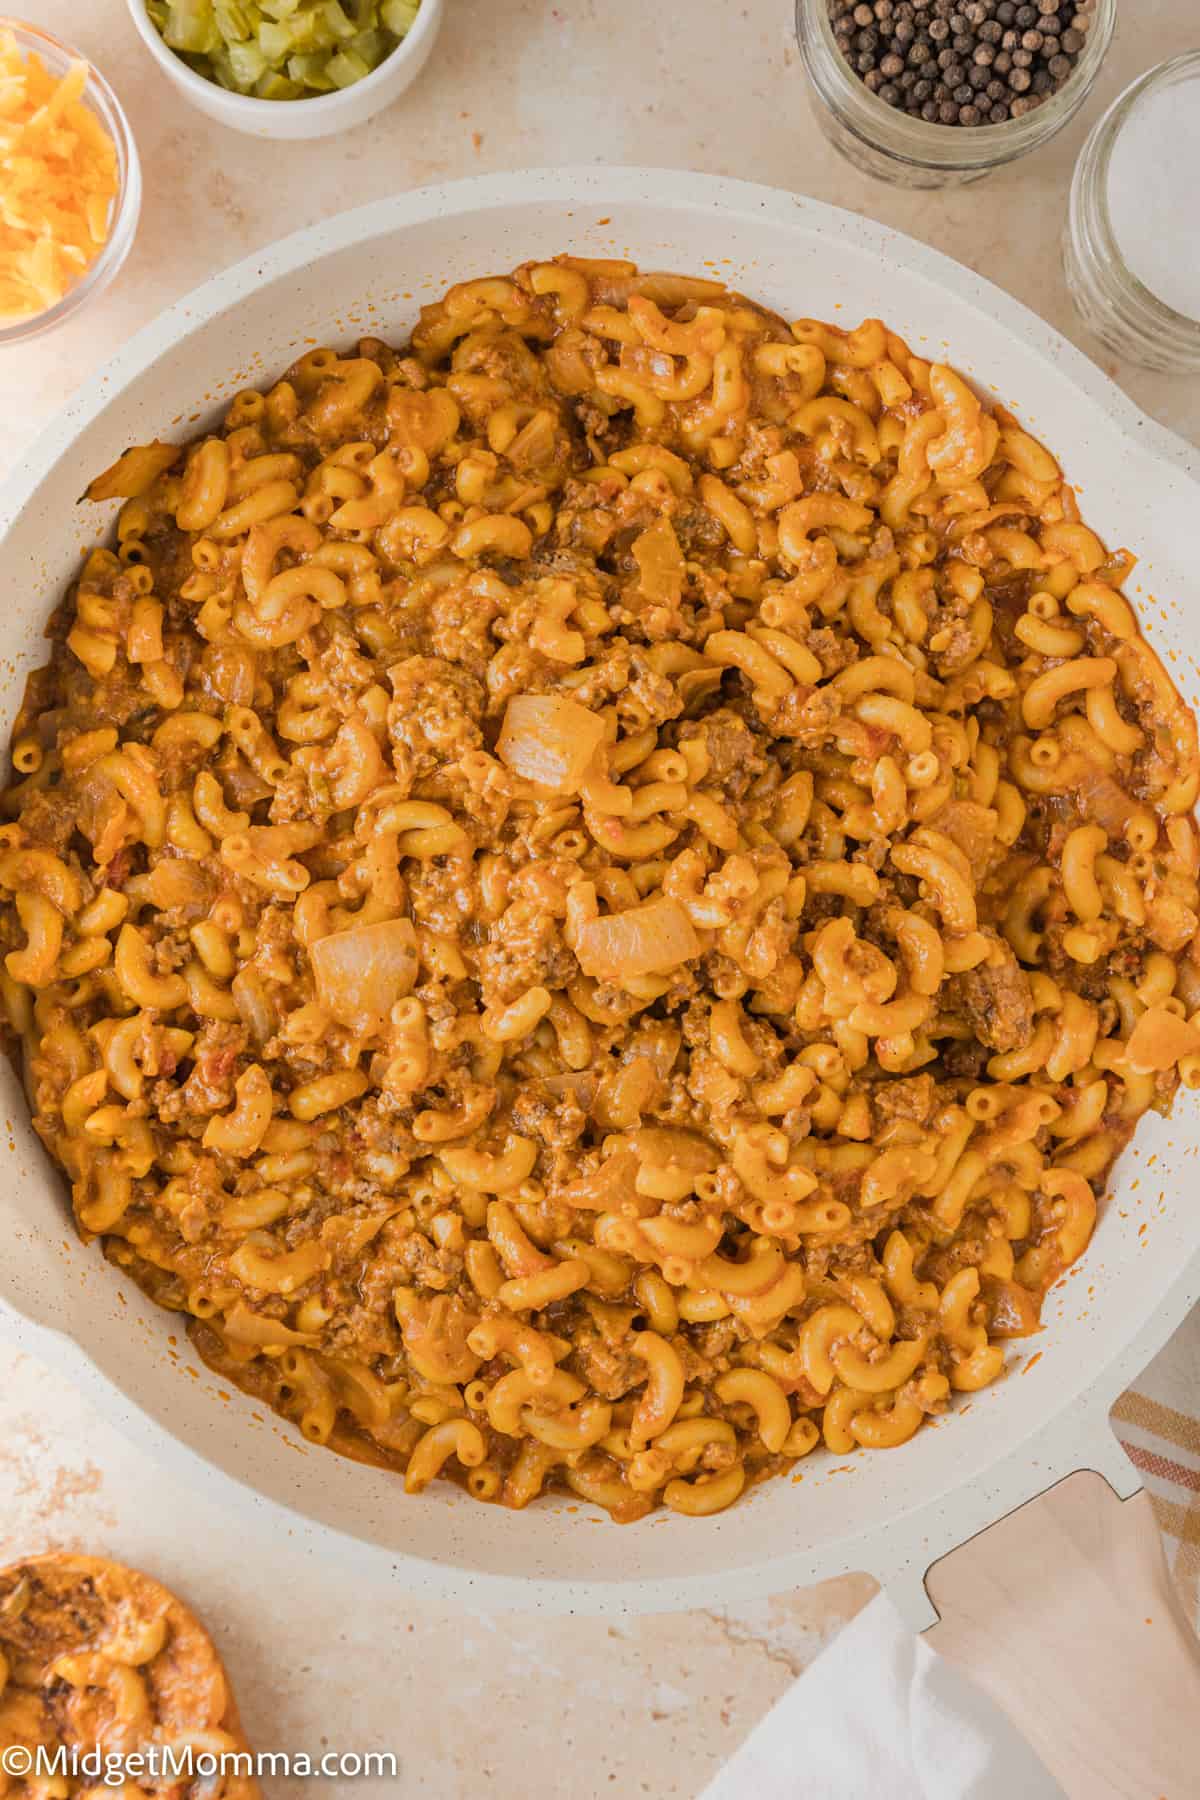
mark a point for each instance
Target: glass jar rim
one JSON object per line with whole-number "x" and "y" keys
{"x": 127, "y": 203}
{"x": 967, "y": 149}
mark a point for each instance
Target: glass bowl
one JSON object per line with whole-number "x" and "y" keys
{"x": 885, "y": 142}
{"x": 99, "y": 98}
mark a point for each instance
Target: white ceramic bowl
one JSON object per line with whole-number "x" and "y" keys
{"x": 288, "y": 120}
{"x": 891, "y": 1513}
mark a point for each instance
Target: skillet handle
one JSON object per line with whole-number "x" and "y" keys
{"x": 1065, "y": 1615}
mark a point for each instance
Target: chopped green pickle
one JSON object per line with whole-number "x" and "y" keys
{"x": 283, "y": 49}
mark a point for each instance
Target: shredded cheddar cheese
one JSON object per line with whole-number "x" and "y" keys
{"x": 58, "y": 179}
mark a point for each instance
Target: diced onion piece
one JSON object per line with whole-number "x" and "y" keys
{"x": 1012, "y": 1310}
{"x": 549, "y": 739}
{"x": 606, "y": 1187}
{"x": 661, "y": 568}
{"x": 134, "y": 471}
{"x": 241, "y": 1326}
{"x": 580, "y": 1084}
{"x": 644, "y": 940}
{"x": 362, "y": 972}
{"x": 1158, "y": 1040}
{"x": 435, "y": 1333}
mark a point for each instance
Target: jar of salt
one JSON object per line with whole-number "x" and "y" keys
{"x": 1131, "y": 249}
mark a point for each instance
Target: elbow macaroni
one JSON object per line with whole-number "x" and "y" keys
{"x": 893, "y": 796}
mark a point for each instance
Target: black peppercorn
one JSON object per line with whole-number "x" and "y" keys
{"x": 961, "y": 62}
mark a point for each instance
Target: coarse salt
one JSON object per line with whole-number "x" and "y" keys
{"x": 1153, "y": 202}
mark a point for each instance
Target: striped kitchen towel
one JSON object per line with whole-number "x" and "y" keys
{"x": 1158, "y": 1422}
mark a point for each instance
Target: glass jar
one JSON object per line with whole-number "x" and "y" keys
{"x": 886, "y": 142}
{"x": 1126, "y": 315}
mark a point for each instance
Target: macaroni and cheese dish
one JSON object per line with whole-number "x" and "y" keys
{"x": 593, "y": 897}
{"x": 97, "y": 1660}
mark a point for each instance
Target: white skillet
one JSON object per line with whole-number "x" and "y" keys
{"x": 892, "y": 1513}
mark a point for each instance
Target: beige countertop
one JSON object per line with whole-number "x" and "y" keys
{"x": 575, "y": 1708}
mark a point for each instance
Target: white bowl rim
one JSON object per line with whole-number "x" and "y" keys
{"x": 252, "y": 106}
{"x": 1078, "y": 1435}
